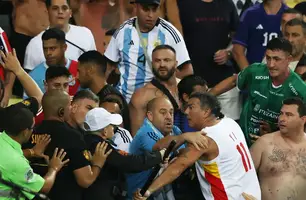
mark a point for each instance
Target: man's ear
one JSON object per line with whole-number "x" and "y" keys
{"x": 150, "y": 116}
{"x": 45, "y": 85}
{"x": 74, "y": 108}
{"x": 185, "y": 97}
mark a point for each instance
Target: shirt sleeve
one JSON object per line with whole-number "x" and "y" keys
{"x": 242, "y": 34}
{"x": 25, "y": 177}
{"x": 112, "y": 50}
{"x": 29, "y": 62}
{"x": 134, "y": 163}
{"x": 244, "y": 78}
{"x": 178, "y": 43}
{"x": 148, "y": 140}
{"x": 78, "y": 155}
{"x": 92, "y": 45}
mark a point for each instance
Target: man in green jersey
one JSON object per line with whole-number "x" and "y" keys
{"x": 268, "y": 85}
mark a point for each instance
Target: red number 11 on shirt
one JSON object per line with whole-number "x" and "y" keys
{"x": 244, "y": 156}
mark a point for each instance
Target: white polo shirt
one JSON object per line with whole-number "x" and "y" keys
{"x": 79, "y": 35}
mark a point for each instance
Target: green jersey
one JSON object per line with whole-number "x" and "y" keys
{"x": 264, "y": 99}
{"x": 16, "y": 168}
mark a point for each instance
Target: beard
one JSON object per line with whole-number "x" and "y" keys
{"x": 164, "y": 77}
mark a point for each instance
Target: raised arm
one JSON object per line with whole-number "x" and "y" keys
{"x": 11, "y": 63}
{"x": 224, "y": 86}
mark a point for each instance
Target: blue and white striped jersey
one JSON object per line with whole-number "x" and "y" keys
{"x": 126, "y": 49}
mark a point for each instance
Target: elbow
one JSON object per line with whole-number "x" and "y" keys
{"x": 85, "y": 183}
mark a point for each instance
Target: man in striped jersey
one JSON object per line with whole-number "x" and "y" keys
{"x": 131, "y": 47}
{"x": 122, "y": 137}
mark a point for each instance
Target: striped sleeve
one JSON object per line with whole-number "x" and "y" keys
{"x": 175, "y": 39}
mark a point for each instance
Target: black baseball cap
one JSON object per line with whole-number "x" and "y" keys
{"x": 147, "y": 1}
{"x": 30, "y": 103}
{"x": 301, "y": 7}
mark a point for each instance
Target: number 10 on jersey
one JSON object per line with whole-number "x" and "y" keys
{"x": 268, "y": 37}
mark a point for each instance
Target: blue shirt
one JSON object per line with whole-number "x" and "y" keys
{"x": 181, "y": 121}
{"x": 256, "y": 29}
{"x": 144, "y": 140}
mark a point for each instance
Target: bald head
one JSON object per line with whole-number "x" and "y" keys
{"x": 157, "y": 102}
{"x": 54, "y": 102}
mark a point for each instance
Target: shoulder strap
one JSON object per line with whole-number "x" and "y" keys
{"x": 160, "y": 86}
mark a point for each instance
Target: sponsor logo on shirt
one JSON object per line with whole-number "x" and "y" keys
{"x": 87, "y": 155}
{"x": 257, "y": 107}
{"x": 259, "y": 27}
{"x": 293, "y": 89}
{"x": 268, "y": 113}
{"x": 262, "y": 77}
{"x": 258, "y": 93}
{"x": 29, "y": 175}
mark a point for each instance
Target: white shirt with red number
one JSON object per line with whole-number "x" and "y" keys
{"x": 232, "y": 172}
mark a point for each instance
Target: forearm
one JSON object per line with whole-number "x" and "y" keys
{"x": 185, "y": 70}
{"x": 224, "y": 86}
{"x": 49, "y": 180}
{"x": 136, "y": 163}
{"x": 172, "y": 172}
{"x": 241, "y": 59}
{"x": 31, "y": 88}
{"x": 28, "y": 153}
{"x": 9, "y": 80}
{"x": 165, "y": 142}
{"x": 95, "y": 171}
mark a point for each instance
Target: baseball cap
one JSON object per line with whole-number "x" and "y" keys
{"x": 147, "y": 1}
{"x": 30, "y": 103}
{"x": 301, "y": 7}
{"x": 99, "y": 118}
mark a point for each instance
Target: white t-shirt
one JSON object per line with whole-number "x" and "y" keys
{"x": 232, "y": 172}
{"x": 79, "y": 35}
{"x": 125, "y": 47}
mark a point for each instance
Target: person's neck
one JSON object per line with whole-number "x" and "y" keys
{"x": 143, "y": 28}
{"x": 298, "y": 57}
{"x": 272, "y": 6}
{"x": 17, "y": 139}
{"x": 97, "y": 84}
{"x": 72, "y": 123}
{"x": 63, "y": 62}
{"x": 170, "y": 84}
{"x": 281, "y": 79}
{"x": 64, "y": 28}
{"x": 211, "y": 121}
{"x": 294, "y": 136}
{"x": 53, "y": 118}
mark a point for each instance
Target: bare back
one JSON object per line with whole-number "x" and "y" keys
{"x": 30, "y": 17}
{"x": 282, "y": 171}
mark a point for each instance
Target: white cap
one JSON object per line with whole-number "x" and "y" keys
{"x": 99, "y": 118}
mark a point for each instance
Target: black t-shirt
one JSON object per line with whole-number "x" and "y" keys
{"x": 64, "y": 136}
{"x": 207, "y": 27}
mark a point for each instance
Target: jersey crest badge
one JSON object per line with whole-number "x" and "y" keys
{"x": 29, "y": 175}
{"x": 87, "y": 155}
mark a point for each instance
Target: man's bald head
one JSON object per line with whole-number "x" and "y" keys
{"x": 160, "y": 114}
{"x": 56, "y": 104}
{"x": 152, "y": 104}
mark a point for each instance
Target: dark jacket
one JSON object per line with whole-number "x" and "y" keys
{"x": 112, "y": 173}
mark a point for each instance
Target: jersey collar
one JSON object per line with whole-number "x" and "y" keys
{"x": 12, "y": 142}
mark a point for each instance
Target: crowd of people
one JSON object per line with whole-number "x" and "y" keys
{"x": 225, "y": 80}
